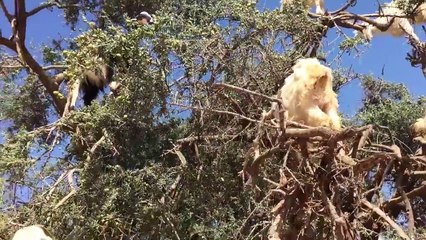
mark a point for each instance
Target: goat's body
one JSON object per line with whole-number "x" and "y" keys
{"x": 33, "y": 232}
{"x": 93, "y": 82}
{"x": 400, "y": 26}
{"x": 418, "y": 129}
{"x": 319, "y": 5}
{"x": 308, "y": 96}
{"x": 420, "y": 14}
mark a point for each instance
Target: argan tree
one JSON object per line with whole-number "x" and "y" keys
{"x": 184, "y": 150}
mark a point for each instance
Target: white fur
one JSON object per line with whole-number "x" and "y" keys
{"x": 308, "y": 95}
{"x": 399, "y": 27}
{"x": 33, "y": 232}
{"x": 319, "y": 5}
{"x": 420, "y": 15}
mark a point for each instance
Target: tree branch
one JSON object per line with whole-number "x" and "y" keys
{"x": 344, "y": 7}
{"x": 221, "y": 112}
{"x": 50, "y": 67}
{"x": 41, "y": 7}
{"x": 49, "y": 4}
{"x": 235, "y": 88}
{"x": 51, "y": 86}
{"x": 8, "y": 43}
{"x": 414, "y": 193}
{"x": 383, "y": 215}
{"x": 6, "y": 12}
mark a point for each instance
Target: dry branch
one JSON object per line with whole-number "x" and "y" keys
{"x": 205, "y": 138}
{"x": 417, "y": 57}
{"x": 239, "y": 89}
{"x": 221, "y": 112}
{"x": 383, "y": 215}
{"x": 414, "y": 193}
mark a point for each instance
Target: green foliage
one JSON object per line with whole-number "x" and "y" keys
{"x": 26, "y": 105}
{"x": 135, "y": 179}
{"x": 390, "y": 105}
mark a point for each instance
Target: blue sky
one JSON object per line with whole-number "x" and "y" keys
{"x": 384, "y": 53}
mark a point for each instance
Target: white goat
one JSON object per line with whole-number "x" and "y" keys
{"x": 33, "y": 232}
{"x": 319, "y": 4}
{"x": 400, "y": 26}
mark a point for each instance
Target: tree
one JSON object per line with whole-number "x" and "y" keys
{"x": 183, "y": 152}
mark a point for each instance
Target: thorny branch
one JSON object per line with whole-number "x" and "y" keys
{"x": 340, "y": 171}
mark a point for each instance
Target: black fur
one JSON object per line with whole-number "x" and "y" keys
{"x": 89, "y": 87}
{"x": 90, "y": 92}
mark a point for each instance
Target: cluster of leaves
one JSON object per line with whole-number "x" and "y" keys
{"x": 27, "y": 105}
{"x": 391, "y": 105}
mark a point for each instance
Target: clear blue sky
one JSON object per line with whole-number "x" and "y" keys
{"x": 384, "y": 52}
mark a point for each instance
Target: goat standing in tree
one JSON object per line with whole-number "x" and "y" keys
{"x": 400, "y": 26}
{"x": 308, "y": 95}
{"x": 319, "y": 5}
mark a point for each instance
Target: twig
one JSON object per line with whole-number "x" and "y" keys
{"x": 224, "y": 85}
{"x": 55, "y": 67}
{"x": 261, "y": 157}
{"x": 371, "y": 161}
{"x": 63, "y": 200}
{"x": 41, "y": 7}
{"x": 419, "y": 173}
{"x": 383, "y": 215}
{"x": 344, "y": 7}
{"x": 360, "y": 141}
{"x": 96, "y": 145}
{"x": 276, "y": 225}
{"x": 61, "y": 177}
{"x": 47, "y": 5}
{"x": 254, "y": 211}
{"x": 173, "y": 227}
{"x": 331, "y": 208}
{"x": 221, "y": 112}
{"x": 413, "y": 193}
{"x": 205, "y": 138}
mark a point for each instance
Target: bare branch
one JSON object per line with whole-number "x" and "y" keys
{"x": 63, "y": 200}
{"x": 50, "y": 85}
{"x": 219, "y": 85}
{"x": 41, "y": 7}
{"x": 222, "y": 112}
{"x": 8, "y": 43}
{"x": 331, "y": 208}
{"x": 344, "y": 7}
{"x": 414, "y": 193}
{"x": 205, "y": 138}
{"x": 5, "y": 11}
{"x": 383, "y": 215}
{"x": 48, "y": 5}
{"x": 50, "y": 67}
